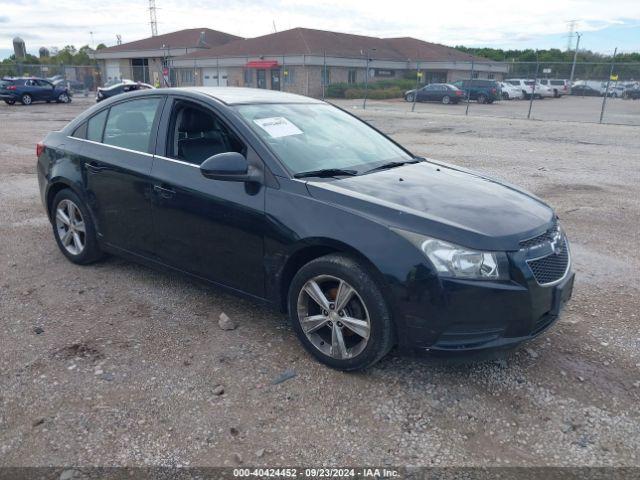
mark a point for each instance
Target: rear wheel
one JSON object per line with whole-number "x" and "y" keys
{"x": 9, "y": 102}
{"x": 26, "y": 99}
{"x": 339, "y": 313}
{"x": 73, "y": 228}
{"x": 482, "y": 98}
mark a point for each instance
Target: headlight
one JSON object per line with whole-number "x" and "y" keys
{"x": 459, "y": 262}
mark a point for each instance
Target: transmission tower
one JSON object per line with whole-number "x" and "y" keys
{"x": 152, "y": 16}
{"x": 570, "y": 35}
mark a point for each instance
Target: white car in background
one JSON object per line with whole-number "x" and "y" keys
{"x": 510, "y": 92}
{"x": 528, "y": 86}
{"x": 558, "y": 86}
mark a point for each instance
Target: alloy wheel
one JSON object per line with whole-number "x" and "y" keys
{"x": 70, "y": 227}
{"x": 333, "y": 317}
{"x": 63, "y": 98}
{"x": 26, "y": 99}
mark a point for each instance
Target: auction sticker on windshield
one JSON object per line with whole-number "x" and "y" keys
{"x": 277, "y": 127}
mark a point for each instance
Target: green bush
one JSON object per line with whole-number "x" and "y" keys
{"x": 381, "y": 89}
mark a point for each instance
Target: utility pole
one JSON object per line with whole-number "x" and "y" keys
{"x": 606, "y": 92}
{"x": 366, "y": 79}
{"x": 572, "y": 27}
{"x": 415, "y": 93}
{"x": 324, "y": 71}
{"x": 575, "y": 57}
{"x": 152, "y": 17}
{"x": 533, "y": 87}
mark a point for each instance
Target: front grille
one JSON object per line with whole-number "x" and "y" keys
{"x": 551, "y": 268}
{"x": 540, "y": 239}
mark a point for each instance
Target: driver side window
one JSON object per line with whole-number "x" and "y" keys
{"x": 196, "y": 133}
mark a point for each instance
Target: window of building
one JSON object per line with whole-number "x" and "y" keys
{"x": 129, "y": 124}
{"x": 186, "y": 76}
{"x": 352, "y": 76}
{"x": 475, "y": 74}
{"x": 196, "y": 134}
{"x": 95, "y": 126}
{"x": 326, "y": 75}
{"x": 248, "y": 77}
{"x": 289, "y": 75}
{"x": 491, "y": 76}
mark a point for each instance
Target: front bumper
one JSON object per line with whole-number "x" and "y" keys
{"x": 456, "y": 315}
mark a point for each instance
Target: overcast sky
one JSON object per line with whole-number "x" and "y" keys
{"x": 504, "y": 24}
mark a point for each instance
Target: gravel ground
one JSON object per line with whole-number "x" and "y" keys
{"x": 116, "y": 364}
{"x": 566, "y": 108}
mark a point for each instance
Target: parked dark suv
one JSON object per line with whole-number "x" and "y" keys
{"x": 30, "y": 89}
{"x": 483, "y": 91}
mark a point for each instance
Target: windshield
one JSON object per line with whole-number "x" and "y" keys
{"x": 308, "y": 137}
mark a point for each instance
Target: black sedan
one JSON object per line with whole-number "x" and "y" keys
{"x": 300, "y": 205}
{"x": 28, "y": 90}
{"x": 585, "y": 91}
{"x": 124, "y": 87}
{"x": 436, "y": 92}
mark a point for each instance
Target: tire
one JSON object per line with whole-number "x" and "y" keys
{"x": 26, "y": 99}
{"x": 70, "y": 246}
{"x": 331, "y": 274}
{"x": 482, "y": 98}
{"x": 446, "y": 100}
{"x": 409, "y": 97}
{"x": 556, "y": 94}
{"x": 505, "y": 95}
{"x": 63, "y": 98}
{"x": 9, "y": 102}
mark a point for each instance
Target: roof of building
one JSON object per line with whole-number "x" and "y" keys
{"x": 189, "y": 38}
{"x": 298, "y": 41}
{"x": 241, "y": 95}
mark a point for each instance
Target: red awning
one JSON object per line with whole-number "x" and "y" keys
{"x": 262, "y": 64}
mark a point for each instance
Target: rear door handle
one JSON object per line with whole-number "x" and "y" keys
{"x": 163, "y": 191}
{"x": 93, "y": 168}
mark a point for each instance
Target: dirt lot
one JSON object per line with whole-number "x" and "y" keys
{"x": 125, "y": 368}
{"x": 566, "y": 108}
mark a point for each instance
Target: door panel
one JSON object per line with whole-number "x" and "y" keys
{"x": 210, "y": 228}
{"x": 117, "y": 173}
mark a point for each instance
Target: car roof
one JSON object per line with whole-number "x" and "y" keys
{"x": 242, "y": 95}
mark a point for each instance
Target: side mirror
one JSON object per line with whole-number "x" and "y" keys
{"x": 230, "y": 167}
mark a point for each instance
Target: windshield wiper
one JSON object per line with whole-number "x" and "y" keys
{"x": 386, "y": 166}
{"x": 327, "y": 172}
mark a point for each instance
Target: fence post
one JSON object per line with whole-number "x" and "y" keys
{"x": 533, "y": 89}
{"x": 466, "y": 112}
{"x": 606, "y": 91}
{"x": 415, "y": 94}
{"x": 366, "y": 82}
{"x": 324, "y": 71}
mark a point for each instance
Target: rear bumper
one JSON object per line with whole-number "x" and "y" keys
{"x": 8, "y": 96}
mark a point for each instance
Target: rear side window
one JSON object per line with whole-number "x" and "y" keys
{"x": 557, "y": 82}
{"x": 129, "y": 124}
{"x": 81, "y": 131}
{"x": 95, "y": 126}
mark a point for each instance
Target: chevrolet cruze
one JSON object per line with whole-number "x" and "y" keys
{"x": 302, "y": 206}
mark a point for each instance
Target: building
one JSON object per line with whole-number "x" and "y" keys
{"x": 301, "y": 60}
{"x": 145, "y": 60}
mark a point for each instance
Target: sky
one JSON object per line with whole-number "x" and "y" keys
{"x": 504, "y": 24}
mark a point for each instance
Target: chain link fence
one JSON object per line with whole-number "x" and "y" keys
{"x": 600, "y": 92}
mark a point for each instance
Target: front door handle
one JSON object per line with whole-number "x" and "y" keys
{"x": 163, "y": 191}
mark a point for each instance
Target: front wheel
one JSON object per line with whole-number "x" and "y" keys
{"x": 63, "y": 98}
{"x": 26, "y": 99}
{"x": 446, "y": 100}
{"x": 410, "y": 97}
{"x": 339, "y": 313}
{"x": 73, "y": 228}
{"x": 505, "y": 96}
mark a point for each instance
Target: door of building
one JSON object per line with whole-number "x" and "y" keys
{"x": 275, "y": 79}
{"x": 210, "y": 77}
{"x": 262, "y": 78}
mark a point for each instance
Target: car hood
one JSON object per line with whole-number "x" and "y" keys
{"x": 442, "y": 201}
